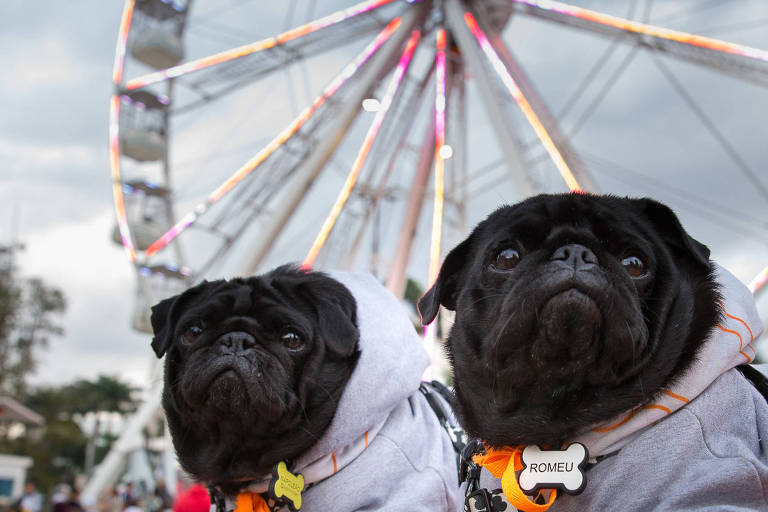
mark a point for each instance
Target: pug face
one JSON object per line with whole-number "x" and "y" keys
{"x": 570, "y": 309}
{"x": 254, "y": 369}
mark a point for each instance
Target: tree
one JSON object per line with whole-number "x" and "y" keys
{"x": 104, "y": 395}
{"x": 27, "y": 310}
{"x": 61, "y": 451}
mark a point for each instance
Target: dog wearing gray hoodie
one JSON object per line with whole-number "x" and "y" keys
{"x": 299, "y": 390}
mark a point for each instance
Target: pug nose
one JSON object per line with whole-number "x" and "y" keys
{"x": 574, "y": 256}
{"x": 237, "y": 341}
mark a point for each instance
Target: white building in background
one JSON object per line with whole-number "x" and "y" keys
{"x": 13, "y": 475}
{"x": 13, "y": 469}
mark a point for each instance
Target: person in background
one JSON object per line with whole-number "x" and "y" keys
{"x": 132, "y": 505}
{"x": 31, "y": 500}
{"x": 128, "y": 494}
{"x": 160, "y": 500}
{"x": 73, "y": 503}
{"x": 109, "y": 501}
{"x": 60, "y": 498}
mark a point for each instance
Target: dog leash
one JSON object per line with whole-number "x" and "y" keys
{"x": 456, "y": 433}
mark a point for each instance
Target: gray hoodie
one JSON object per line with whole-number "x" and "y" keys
{"x": 384, "y": 449}
{"x": 706, "y": 452}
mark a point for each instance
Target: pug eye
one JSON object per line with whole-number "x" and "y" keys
{"x": 506, "y": 259}
{"x": 191, "y": 334}
{"x": 291, "y": 341}
{"x": 634, "y": 266}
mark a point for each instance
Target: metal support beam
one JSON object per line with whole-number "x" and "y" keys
{"x": 741, "y": 61}
{"x": 475, "y": 59}
{"x": 537, "y": 104}
{"x": 396, "y": 280}
{"x": 110, "y": 469}
{"x": 380, "y": 63}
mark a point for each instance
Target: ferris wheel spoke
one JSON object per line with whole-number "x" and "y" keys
{"x": 712, "y": 128}
{"x": 370, "y": 138}
{"x": 293, "y": 38}
{"x": 489, "y": 93}
{"x": 396, "y": 280}
{"x": 402, "y": 127}
{"x": 436, "y": 234}
{"x": 751, "y": 63}
{"x": 469, "y": 23}
{"x": 345, "y": 114}
{"x": 758, "y": 281}
{"x": 290, "y": 131}
{"x": 439, "y": 159}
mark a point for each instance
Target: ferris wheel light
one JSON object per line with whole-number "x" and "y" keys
{"x": 758, "y": 281}
{"x": 446, "y": 151}
{"x": 371, "y": 105}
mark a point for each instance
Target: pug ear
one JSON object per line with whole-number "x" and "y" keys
{"x": 444, "y": 290}
{"x": 337, "y": 314}
{"x": 669, "y": 228}
{"x": 161, "y": 325}
{"x": 339, "y": 328}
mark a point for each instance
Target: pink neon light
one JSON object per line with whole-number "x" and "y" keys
{"x": 430, "y": 331}
{"x": 289, "y": 131}
{"x": 642, "y": 28}
{"x": 758, "y": 281}
{"x": 117, "y": 189}
{"x": 522, "y": 102}
{"x": 437, "y": 209}
{"x": 365, "y": 149}
{"x": 248, "y": 49}
{"x": 122, "y": 41}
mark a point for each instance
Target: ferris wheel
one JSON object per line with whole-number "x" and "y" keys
{"x": 397, "y": 109}
{"x": 217, "y": 170}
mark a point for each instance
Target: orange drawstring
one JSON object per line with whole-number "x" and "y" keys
{"x": 503, "y": 463}
{"x": 251, "y": 502}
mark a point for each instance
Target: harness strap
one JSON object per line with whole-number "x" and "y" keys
{"x": 758, "y": 379}
{"x": 504, "y": 463}
{"x": 456, "y": 434}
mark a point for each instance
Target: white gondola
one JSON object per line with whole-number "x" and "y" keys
{"x": 142, "y": 126}
{"x": 147, "y": 208}
{"x": 159, "y": 43}
{"x": 158, "y": 48}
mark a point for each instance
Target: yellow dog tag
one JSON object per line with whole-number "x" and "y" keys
{"x": 286, "y": 486}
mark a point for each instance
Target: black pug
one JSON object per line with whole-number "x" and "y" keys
{"x": 576, "y": 311}
{"x": 570, "y": 309}
{"x": 315, "y": 373}
{"x": 254, "y": 369}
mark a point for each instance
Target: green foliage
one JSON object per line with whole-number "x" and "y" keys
{"x": 27, "y": 310}
{"x": 60, "y": 448}
{"x": 413, "y": 291}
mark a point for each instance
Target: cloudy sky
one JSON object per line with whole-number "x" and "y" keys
{"x": 634, "y": 129}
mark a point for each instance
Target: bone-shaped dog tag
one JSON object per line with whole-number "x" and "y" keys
{"x": 286, "y": 486}
{"x": 554, "y": 469}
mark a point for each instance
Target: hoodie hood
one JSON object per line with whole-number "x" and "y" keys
{"x": 384, "y": 431}
{"x": 392, "y": 361}
{"x": 730, "y": 344}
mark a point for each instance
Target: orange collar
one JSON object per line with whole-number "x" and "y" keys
{"x": 504, "y": 463}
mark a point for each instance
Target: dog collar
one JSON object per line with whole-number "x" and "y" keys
{"x": 524, "y": 471}
{"x": 258, "y": 496}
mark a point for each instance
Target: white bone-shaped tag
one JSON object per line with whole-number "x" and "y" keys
{"x": 553, "y": 469}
